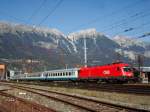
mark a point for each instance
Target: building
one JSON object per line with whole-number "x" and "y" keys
{"x": 2, "y": 71}
{"x": 145, "y": 75}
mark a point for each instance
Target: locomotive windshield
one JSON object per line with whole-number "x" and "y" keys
{"x": 127, "y": 69}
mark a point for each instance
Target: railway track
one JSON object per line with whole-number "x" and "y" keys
{"x": 84, "y": 103}
{"x": 129, "y": 89}
{"x": 10, "y": 103}
{"x": 120, "y": 88}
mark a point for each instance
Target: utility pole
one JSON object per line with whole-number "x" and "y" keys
{"x": 140, "y": 63}
{"x": 85, "y": 53}
{"x": 140, "y": 60}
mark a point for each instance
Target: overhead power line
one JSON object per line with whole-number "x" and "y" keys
{"x": 133, "y": 4}
{"x": 124, "y": 22}
{"x": 13, "y": 17}
{"x": 135, "y": 28}
{"x": 144, "y": 35}
{"x": 37, "y": 10}
{"x": 51, "y": 12}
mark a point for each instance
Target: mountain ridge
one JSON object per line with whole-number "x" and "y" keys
{"x": 58, "y": 50}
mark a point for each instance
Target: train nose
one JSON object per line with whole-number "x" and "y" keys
{"x": 130, "y": 74}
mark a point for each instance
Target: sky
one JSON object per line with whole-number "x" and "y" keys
{"x": 111, "y": 17}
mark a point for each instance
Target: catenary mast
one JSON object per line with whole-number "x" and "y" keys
{"x": 85, "y": 53}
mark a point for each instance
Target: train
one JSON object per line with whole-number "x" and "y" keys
{"x": 110, "y": 72}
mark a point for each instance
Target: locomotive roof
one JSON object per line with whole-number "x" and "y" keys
{"x": 113, "y": 64}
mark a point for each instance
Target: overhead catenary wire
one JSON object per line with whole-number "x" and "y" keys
{"x": 36, "y": 11}
{"x": 144, "y": 35}
{"x": 131, "y": 5}
{"x": 13, "y": 17}
{"x": 130, "y": 29}
{"x": 124, "y": 22}
{"x": 51, "y": 12}
{"x": 117, "y": 24}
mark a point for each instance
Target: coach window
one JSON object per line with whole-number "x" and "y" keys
{"x": 69, "y": 73}
{"x": 66, "y": 73}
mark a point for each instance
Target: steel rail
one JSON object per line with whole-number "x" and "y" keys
{"x": 31, "y": 106}
{"x": 30, "y": 89}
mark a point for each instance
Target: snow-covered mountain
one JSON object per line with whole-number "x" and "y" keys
{"x": 127, "y": 42}
{"x": 131, "y": 47}
{"x": 57, "y": 50}
{"x": 84, "y": 33}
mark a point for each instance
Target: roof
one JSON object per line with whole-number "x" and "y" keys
{"x": 145, "y": 69}
{"x": 2, "y": 66}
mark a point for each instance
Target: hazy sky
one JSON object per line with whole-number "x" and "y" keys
{"x": 111, "y": 17}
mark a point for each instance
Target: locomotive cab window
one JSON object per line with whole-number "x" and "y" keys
{"x": 127, "y": 69}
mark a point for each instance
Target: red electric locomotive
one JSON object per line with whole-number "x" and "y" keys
{"x": 115, "y": 71}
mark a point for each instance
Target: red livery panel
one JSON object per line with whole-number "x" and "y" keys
{"x": 116, "y": 70}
